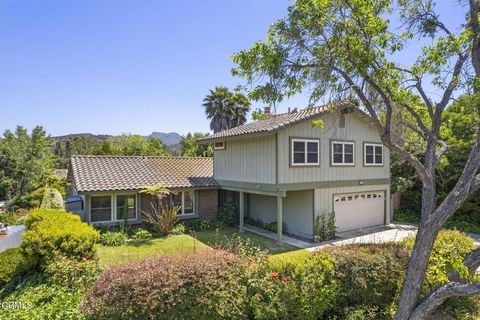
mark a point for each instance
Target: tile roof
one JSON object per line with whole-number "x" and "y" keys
{"x": 276, "y": 122}
{"x": 110, "y": 173}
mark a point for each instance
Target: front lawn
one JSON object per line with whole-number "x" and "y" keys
{"x": 112, "y": 256}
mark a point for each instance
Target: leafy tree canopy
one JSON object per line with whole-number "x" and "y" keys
{"x": 191, "y": 147}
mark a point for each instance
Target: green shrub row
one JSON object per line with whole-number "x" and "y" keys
{"x": 52, "y": 232}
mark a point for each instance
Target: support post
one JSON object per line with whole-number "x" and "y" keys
{"x": 241, "y": 210}
{"x": 388, "y": 206}
{"x": 279, "y": 218}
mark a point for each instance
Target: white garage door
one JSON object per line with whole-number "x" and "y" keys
{"x": 359, "y": 210}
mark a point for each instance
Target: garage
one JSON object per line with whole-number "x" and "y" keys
{"x": 359, "y": 210}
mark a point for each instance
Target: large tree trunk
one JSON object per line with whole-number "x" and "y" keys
{"x": 417, "y": 264}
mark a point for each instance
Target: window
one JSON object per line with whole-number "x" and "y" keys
{"x": 219, "y": 145}
{"x": 100, "y": 208}
{"x": 373, "y": 154}
{"x": 343, "y": 153}
{"x": 126, "y": 204}
{"x": 185, "y": 199}
{"x": 305, "y": 152}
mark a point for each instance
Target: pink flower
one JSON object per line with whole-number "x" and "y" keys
{"x": 275, "y": 275}
{"x": 285, "y": 280}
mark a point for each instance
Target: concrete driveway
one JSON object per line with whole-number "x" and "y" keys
{"x": 378, "y": 234}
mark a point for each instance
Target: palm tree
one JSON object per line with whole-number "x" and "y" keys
{"x": 225, "y": 109}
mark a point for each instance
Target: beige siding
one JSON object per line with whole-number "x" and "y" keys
{"x": 356, "y": 129}
{"x": 324, "y": 197}
{"x": 247, "y": 160}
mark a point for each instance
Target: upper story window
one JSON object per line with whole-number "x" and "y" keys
{"x": 373, "y": 154}
{"x": 219, "y": 145}
{"x": 305, "y": 152}
{"x": 343, "y": 153}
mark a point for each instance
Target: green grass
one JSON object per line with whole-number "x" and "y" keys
{"x": 112, "y": 256}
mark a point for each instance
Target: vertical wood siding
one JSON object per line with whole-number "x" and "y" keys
{"x": 356, "y": 129}
{"x": 247, "y": 160}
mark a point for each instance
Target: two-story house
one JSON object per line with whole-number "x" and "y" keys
{"x": 294, "y": 166}
{"x": 288, "y": 168}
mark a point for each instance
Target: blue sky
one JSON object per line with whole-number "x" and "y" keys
{"x": 115, "y": 66}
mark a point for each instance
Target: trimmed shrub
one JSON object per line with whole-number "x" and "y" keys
{"x": 113, "y": 239}
{"x": 201, "y": 285}
{"x": 369, "y": 275}
{"x": 324, "y": 227}
{"x": 228, "y": 215}
{"x": 13, "y": 264}
{"x": 53, "y": 232}
{"x": 142, "y": 235}
{"x": 72, "y": 273}
{"x": 202, "y": 225}
{"x": 52, "y": 199}
{"x": 179, "y": 229}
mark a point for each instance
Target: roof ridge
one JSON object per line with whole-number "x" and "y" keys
{"x": 131, "y": 157}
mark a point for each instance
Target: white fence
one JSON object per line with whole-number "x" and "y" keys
{"x": 13, "y": 239}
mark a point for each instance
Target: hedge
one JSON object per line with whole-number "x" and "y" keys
{"x": 52, "y": 232}
{"x": 13, "y": 263}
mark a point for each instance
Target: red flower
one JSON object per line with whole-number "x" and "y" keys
{"x": 252, "y": 260}
{"x": 275, "y": 275}
{"x": 284, "y": 280}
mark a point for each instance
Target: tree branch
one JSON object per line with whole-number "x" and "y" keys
{"x": 425, "y": 98}
{"x": 438, "y": 296}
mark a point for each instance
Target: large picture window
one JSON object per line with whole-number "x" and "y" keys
{"x": 305, "y": 152}
{"x": 100, "y": 208}
{"x": 373, "y": 154}
{"x": 343, "y": 153}
{"x": 126, "y": 204}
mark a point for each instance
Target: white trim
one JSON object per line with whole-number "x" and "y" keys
{"x": 136, "y": 206}
{"x": 219, "y": 148}
{"x": 183, "y": 214}
{"x": 374, "y": 164}
{"x": 343, "y": 164}
{"x": 113, "y": 206}
{"x": 306, "y": 163}
{"x": 90, "y": 207}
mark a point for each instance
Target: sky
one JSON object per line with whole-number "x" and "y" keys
{"x": 126, "y": 66}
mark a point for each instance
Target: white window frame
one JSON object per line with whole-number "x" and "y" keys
{"x": 113, "y": 206}
{"x": 306, "y": 163}
{"x": 219, "y": 148}
{"x": 182, "y": 210}
{"x": 90, "y": 207}
{"x": 374, "y": 164}
{"x": 115, "y": 203}
{"x": 343, "y": 164}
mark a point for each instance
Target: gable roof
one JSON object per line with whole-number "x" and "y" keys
{"x": 114, "y": 173}
{"x": 276, "y": 122}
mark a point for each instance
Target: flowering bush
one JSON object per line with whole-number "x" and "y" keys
{"x": 198, "y": 285}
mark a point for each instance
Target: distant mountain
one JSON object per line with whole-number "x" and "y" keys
{"x": 169, "y": 139}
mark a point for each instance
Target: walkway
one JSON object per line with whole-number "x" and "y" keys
{"x": 13, "y": 238}
{"x": 378, "y": 234}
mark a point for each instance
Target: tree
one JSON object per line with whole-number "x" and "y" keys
{"x": 225, "y": 109}
{"x": 259, "y": 114}
{"x": 340, "y": 47}
{"x": 75, "y": 145}
{"x": 133, "y": 145}
{"x": 26, "y": 162}
{"x": 191, "y": 147}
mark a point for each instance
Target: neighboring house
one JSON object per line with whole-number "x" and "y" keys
{"x": 285, "y": 169}
{"x": 109, "y": 183}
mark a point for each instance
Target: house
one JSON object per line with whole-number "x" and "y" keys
{"x": 109, "y": 183}
{"x": 287, "y": 170}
